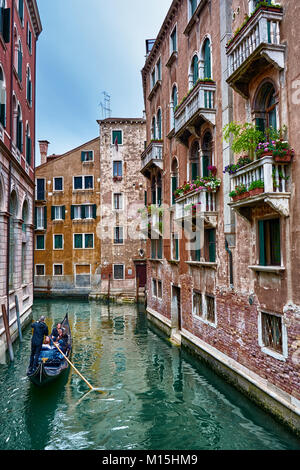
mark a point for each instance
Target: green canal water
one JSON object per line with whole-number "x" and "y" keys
{"x": 156, "y": 396}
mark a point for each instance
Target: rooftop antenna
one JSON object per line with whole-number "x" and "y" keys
{"x": 105, "y": 105}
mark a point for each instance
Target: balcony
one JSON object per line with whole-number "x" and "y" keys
{"x": 197, "y": 108}
{"x": 152, "y": 157}
{"x": 207, "y": 204}
{"x": 276, "y": 192}
{"x": 255, "y": 46}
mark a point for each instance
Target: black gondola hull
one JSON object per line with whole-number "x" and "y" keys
{"x": 45, "y": 374}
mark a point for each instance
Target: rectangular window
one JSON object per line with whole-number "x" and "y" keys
{"x": 118, "y": 271}
{"x": 40, "y": 189}
{"x": 58, "y": 212}
{"x": 210, "y": 245}
{"x": 158, "y": 69}
{"x": 174, "y": 40}
{"x": 89, "y": 211}
{"x": 29, "y": 38}
{"x": 58, "y": 242}
{"x": 83, "y": 182}
{"x": 58, "y": 184}
{"x": 272, "y": 332}
{"x": 88, "y": 240}
{"x": 118, "y": 201}
{"x": 154, "y": 288}
{"x": 40, "y": 219}
{"x": 153, "y": 78}
{"x": 118, "y": 235}
{"x": 159, "y": 289}
{"x": 197, "y": 304}
{"x": 117, "y": 169}
{"x": 40, "y": 270}
{"x": 40, "y": 242}
{"x": 78, "y": 240}
{"x": 87, "y": 156}
{"x": 269, "y": 242}
{"x": 57, "y": 270}
{"x": 210, "y": 308}
{"x": 117, "y": 137}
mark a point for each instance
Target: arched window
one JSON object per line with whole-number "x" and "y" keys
{"x": 206, "y": 59}
{"x": 153, "y": 128}
{"x": 193, "y": 6}
{"x": 159, "y": 126}
{"x": 266, "y": 107}
{"x": 173, "y": 105}
{"x": 4, "y": 21}
{"x": 195, "y": 69}
{"x": 2, "y": 99}
{"x": 28, "y": 145}
{"x": 13, "y": 209}
{"x": 29, "y": 86}
{"x": 206, "y": 153}
{"x": 19, "y": 140}
{"x": 20, "y": 60}
{"x": 194, "y": 161}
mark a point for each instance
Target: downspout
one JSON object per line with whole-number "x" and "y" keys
{"x": 230, "y": 263}
{"x": 33, "y": 205}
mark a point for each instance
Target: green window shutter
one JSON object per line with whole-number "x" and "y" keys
{"x": 195, "y": 70}
{"x": 20, "y": 64}
{"x": 83, "y": 156}
{"x": 3, "y": 114}
{"x": 78, "y": 241}
{"x": 117, "y": 135}
{"x": 95, "y": 211}
{"x": 146, "y": 199}
{"x": 159, "y": 201}
{"x": 35, "y": 217}
{"x": 72, "y": 212}
{"x": 6, "y": 25}
{"x": 212, "y": 245}
{"x": 176, "y": 248}
{"x": 205, "y": 165}
{"x": 83, "y": 216}
{"x": 64, "y": 212}
{"x": 40, "y": 242}
{"x": 275, "y": 242}
{"x": 45, "y": 217}
{"x": 260, "y": 124}
{"x": 174, "y": 187}
{"x": 153, "y": 196}
{"x": 21, "y": 9}
{"x": 195, "y": 170}
{"x": 207, "y": 59}
{"x": 52, "y": 213}
{"x": 261, "y": 234}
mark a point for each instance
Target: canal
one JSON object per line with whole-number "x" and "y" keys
{"x": 156, "y": 396}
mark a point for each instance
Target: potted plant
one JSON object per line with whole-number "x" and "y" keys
{"x": 256, "y": 187}
{"x": 240, "y": 192}
{"x": 283, "y": 152}
{"x": 243, "y": 137}
{"x": 234, "y": 167}
{"x": 213, "y": 169}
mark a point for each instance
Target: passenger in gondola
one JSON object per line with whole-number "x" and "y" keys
{"x": 63, "y": 342}
{"x": 40, "y": 330}
{"x": 55, "y": 333}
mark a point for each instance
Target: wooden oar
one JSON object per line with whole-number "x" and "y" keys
{"x": 77, "y": 371}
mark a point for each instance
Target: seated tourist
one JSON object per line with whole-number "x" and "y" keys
{"x": 55, "y": 333}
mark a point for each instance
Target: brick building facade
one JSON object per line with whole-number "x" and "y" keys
{"x": 223, "y": 271}
{"x": 20, "y": 27}
{"x": 123, "y": 246}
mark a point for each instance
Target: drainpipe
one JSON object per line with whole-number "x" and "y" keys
{"x": 230, "y": 263}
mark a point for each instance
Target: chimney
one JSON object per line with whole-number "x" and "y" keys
{"x": 44, "y": 150}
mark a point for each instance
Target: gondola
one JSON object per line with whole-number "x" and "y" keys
{"x": 50, "y": 369}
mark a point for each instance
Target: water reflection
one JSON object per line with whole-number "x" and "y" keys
{"x": 156, "y": 395}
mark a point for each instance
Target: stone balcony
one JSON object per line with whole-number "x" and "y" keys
{"x": 197, "y": 108}
{"x": 255, "y": 46}
{"x": 276, "y": 191}
{"x": 151, "y": 157}
{"x": 207, "y": 206}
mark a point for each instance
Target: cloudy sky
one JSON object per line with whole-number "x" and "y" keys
{"x": 88, "y": 47}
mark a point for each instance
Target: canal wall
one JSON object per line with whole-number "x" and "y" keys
{"x": 280, "y": 404}
{"x": 25, "y": 319}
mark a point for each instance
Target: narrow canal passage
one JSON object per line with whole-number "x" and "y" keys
{"x": 157, "y": 395}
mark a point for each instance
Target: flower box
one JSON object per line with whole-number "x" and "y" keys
{"x": 256, "y": 191}
{"x": 287, "y": 157}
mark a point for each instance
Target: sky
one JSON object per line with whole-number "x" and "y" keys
{"x": 88, "y": 47}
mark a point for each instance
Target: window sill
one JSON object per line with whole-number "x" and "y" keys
{"x": 273, "y": 353}
{"x": 82, "y": 191}
{"x": 154, "y": 89}
{"x": 203, "y": 264}
{"x": 156, "y": 260}
{"x": 268, "y": 269}
{"x": 82, "y": 220}
{"x": 204, "y": 320}
{"x": 88, "y": 162}
{"x": 173, "y": 261}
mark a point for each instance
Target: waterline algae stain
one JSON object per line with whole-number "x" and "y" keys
{"x": 157, "y": 396}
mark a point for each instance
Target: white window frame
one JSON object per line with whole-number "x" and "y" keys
{"x": 61, "y": 211}
{"x": 83, "y": 185}
{"x": 265, "y": 349}
{"x": 88, "y": 161}
{"x": 171, "y": 42}
{"x": 40, "y": 275}
{"x": 58, "y": 264}
{"x": 111, "y": 137}
{"x": 41, "y": 210}
{"x": 203, "y": 318}
{"x": 63, "y": 241}
{"x": 121, "y": 201}
{"x": 83, "y": 241}
{"x": 58, "y": 190}
{"x": 119, "y": 264}
{"x": 90, "y": 211}
{"x": 114, "y": 233}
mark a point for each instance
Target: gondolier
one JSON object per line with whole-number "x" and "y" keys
{"x": 40, "y": 330}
